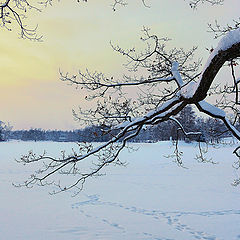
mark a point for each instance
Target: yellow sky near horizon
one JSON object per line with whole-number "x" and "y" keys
{"x": 76, "y": 36}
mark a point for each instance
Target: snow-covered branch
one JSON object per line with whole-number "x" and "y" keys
{"x": 169, "y": 82}
{"x": 105, "y": 153}
{"x": 215, "y": 112}
{"x": 188, "y": 134}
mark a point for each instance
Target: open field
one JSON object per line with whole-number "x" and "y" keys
{"x": 150, "y": 199}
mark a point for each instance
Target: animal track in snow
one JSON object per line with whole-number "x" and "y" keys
{"x": 170, "y": 218}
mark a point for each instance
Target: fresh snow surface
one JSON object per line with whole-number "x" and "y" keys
{"x": 150, "y": 199}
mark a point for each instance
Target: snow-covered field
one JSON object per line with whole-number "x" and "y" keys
{"x": 150, "y": 199}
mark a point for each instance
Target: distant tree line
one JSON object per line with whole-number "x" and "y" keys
{"x": 212, "y": 131}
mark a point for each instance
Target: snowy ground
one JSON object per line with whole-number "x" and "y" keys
{"x": 150, "y": 199}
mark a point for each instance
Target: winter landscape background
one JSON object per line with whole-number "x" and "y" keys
{"x": 152, "y": 198}
{"x": 130, "y": 65}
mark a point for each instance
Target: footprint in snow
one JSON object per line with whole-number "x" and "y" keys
{"x": 171, "y": 218}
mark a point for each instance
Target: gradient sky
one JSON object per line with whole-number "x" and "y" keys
{"x": 76, "y": 36}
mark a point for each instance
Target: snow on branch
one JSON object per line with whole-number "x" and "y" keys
{"x": 98, "y": 81}
{"x": 211, "y": 109}
{"x": 227, "y": 49}
{"x": 215, "y": 112}
{"x": 156, "y": 63}
{"x": 226, "y": 42}
{"x": 105, "y": 154}
{"x": 188, "y": 134}
{"x": 124, "y": 115}
{"x": 176, "y": 74}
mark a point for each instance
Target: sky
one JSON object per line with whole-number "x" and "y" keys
{"x": 77, "y": 36}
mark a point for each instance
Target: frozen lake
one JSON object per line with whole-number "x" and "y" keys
{"x": 150, "y": 199}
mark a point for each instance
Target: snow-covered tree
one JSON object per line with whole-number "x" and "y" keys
{"x": 169, "y": 80}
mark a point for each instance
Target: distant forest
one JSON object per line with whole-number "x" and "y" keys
{"x": 212, "y": 131}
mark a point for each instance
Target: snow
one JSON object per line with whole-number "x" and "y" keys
{"x": 182, "y": 128}
{"x": 230, "y": 39}
{"x": 176, "y": 73}
{"x": 151, "y": 113}
{"x": 237, "y": 80}
{"x": 150, "y": 199}
{"x": 217, "y": 112}
{"x": 164, "y": 106}
{"x": 188, "y": 90}
{"x": 212, "y": 109}
{"x": 232, "y": 127}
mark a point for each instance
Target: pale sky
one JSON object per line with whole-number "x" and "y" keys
{"x": 76, "y": 36}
